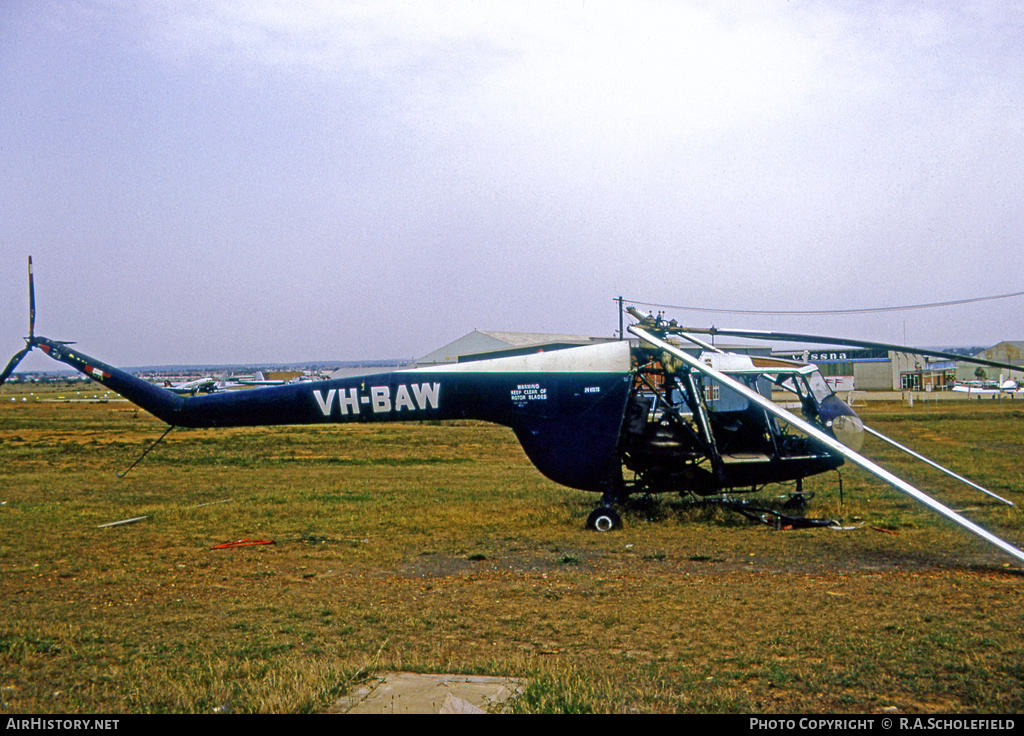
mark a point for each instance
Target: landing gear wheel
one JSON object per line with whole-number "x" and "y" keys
{"x": 604, "y": 519}
{"x": 797, "y": 501}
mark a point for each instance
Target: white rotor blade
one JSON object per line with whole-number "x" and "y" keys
{"x": 830, "y": 442}
{"x": 934, "y": 464}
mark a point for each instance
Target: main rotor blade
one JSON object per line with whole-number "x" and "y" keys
{"x": 13, "y": 363}
{"x": 830, "y": 442}
{"x": 934, "y": 464}
{"x": 821, "y": 340}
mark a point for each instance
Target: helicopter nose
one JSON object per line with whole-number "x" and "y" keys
{"x": 849, "y": 429}
{"x": 843, "y": 421}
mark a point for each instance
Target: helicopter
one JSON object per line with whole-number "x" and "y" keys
{"x": 618, "y": 418}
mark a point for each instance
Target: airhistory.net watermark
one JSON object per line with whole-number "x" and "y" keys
{"x": 61, "y": 724}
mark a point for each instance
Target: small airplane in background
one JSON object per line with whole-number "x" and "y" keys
{"x": 1008, "y": 387}
{"x": 257, "y": 379}
{"x": 616, "y": 419}
{"x": 191, "y": 388}
{"x": 207, "y": 385}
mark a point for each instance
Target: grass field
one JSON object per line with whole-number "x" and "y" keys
{"x": 438, "y": 548}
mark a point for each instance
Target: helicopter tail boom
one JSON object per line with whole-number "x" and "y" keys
{"x": 160, "y": 402}
{"x": 566, "y": 407}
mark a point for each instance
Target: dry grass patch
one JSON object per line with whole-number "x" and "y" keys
{"x": 438, "y": 548}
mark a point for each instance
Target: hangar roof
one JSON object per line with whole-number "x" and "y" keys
{"x": 495, "y": 341}
{"x": 1008, "y": 351}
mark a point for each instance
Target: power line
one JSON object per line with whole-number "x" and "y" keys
{"x": 877, "y": 310}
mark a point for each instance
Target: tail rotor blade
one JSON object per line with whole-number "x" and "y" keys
{"x": 31, "y": 303}
{"x": 31, "y": 339}
{"x": 13, "y": 364}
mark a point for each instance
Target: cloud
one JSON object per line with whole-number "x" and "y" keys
{"x": 511, "y": 165}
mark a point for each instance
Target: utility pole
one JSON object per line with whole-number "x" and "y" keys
{"x": 619, "y": 300}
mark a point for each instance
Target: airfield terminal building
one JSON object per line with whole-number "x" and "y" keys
{"x": 889, "y": 370}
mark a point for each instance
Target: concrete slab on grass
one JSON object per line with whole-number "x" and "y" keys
{"x": 406, "y": 692}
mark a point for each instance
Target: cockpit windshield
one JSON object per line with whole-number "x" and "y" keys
{"x": 819, "y": 387}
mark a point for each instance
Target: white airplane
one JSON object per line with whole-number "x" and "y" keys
{"x": 191, "y": 388}
{"x": 258, "y": 380}
{"x": 989, "y": 388}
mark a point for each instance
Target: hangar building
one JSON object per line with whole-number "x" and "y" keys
{"x": 1008, "y": 351}
{"x": 480, "y": 344}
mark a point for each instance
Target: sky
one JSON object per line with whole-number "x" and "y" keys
{"x": 281, "y": 181}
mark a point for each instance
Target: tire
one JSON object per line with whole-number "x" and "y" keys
{"x": 604, "y": 519}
